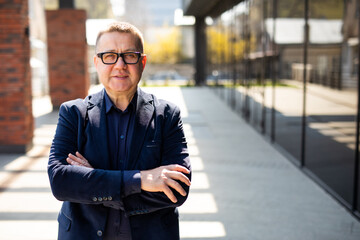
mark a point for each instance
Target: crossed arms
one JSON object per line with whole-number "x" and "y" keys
{"x": 79, "y": 178}
{"x": 159, "y": 179}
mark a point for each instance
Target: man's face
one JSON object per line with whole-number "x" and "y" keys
{"x": 119, "y": 78}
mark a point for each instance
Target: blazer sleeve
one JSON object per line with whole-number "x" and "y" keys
{"x": 74, "y": 183}
{"x": 173, "y": 151}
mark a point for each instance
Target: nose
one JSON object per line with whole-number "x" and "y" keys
{"x": 120, "y": 63}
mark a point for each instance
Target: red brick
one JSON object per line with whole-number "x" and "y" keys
{"x": 16, "y": 120}
{"x": 67, "y": 60}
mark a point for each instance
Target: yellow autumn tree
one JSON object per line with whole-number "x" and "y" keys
{"x": 166, "y": 48}
{"x": 225, "y": 48}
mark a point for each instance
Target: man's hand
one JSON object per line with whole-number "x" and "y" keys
{"x": 78, "y": 160}
{"x": 160, "y": 179}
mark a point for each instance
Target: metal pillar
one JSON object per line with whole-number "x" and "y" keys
{"x": 303, "y": 125}
{"x": 233, "y": 60}
{"x": 66, "y": 4}
{"x": 357, "y": 155}
{"x": 246, "y": 108}
{"x": 273, "y": 70}
{"x": 200, "y": 51}
{"x": 263, "y": 67}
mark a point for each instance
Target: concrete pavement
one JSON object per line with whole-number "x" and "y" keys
{"x": 242, "y": 187}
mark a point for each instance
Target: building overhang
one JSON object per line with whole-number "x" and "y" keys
{"x": 211, "y": 8}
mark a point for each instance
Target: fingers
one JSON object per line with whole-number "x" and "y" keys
{"x": 176, "y": 186}
{"x": 178, "y": 168}
{"x": 78, "y": 160}
{"x": 169, "y": 183}
{"x": 178, "y": 176}
{"x": 169, "y": 194}
{"x": 73, "y": 160}
{"x": 163, "y": 178}
{"x": 80, "y": 156}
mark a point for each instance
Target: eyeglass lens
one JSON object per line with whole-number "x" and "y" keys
{"x": 128, "y": 58}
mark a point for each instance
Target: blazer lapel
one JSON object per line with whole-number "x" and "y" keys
{"x": 97, "y": 128}
{"x": 143, "y": 116}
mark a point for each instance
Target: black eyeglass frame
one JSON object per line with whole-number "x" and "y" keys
{"x": 139, "y": 54}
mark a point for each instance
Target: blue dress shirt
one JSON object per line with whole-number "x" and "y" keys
{"x": 120, "y": 127}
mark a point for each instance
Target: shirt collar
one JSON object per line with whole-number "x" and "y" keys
{"x": 110, "y": 105}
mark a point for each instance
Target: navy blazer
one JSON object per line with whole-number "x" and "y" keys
{"x": 88, "y": 194}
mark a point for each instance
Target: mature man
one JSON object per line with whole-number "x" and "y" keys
{"x": 119, "y": 158}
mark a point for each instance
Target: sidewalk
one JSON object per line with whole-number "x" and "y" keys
{"x": 242, "y": 188}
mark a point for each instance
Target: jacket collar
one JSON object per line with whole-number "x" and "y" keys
{"x": 97, "y": 98}
{"x": 144, "y": 113}
{"x": 97, "y": 120}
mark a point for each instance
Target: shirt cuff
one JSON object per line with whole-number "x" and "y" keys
{"x": 131, "y": 182}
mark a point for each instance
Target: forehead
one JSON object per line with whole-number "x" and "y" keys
{"x": 117, "y": 40}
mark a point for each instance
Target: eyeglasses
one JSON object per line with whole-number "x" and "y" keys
{"x": 127, "y": 57}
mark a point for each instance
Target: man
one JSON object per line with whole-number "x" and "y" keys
{"x": 119, "y": 158}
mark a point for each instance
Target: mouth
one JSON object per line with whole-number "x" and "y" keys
{"x": 120, "y": 77}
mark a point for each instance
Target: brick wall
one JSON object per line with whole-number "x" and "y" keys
{"x": 67, "y": 55}
{"x": 16, "y": 119}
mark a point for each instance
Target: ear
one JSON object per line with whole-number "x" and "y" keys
{"x": 96, "y": 59}
{"x": 143, "y": 62}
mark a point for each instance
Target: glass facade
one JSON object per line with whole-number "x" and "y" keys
{"x": 290, "y": 68}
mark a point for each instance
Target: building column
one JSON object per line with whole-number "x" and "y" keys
{"x": 67, "y": 55}
{"x": 200, "y": 51}
{"x": 16, "y": 119}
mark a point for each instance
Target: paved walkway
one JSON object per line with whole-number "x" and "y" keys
{"x": 242, "y": 187}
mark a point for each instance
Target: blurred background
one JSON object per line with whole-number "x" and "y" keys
{"x": 168, "y": 35}
{"x": 289, "y": 68}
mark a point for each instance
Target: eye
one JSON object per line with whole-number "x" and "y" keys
{"x": 130, "y": 55}
{"x": 109, "y": 56}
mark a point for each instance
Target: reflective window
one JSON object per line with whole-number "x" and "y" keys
{"x": 256, "y": 63}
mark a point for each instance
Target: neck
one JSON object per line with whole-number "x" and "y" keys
{"x": 121, "y": 100}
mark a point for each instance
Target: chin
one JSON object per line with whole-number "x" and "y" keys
{"x": 121, "y": 89}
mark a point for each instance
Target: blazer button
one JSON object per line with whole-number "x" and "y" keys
{"x": 99, "y": 233}
{"x": 109, "y": 198}
{"x": 100, "y": 199}
{"x": 94, "y": 199}
{"x": 105, "y": 198}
